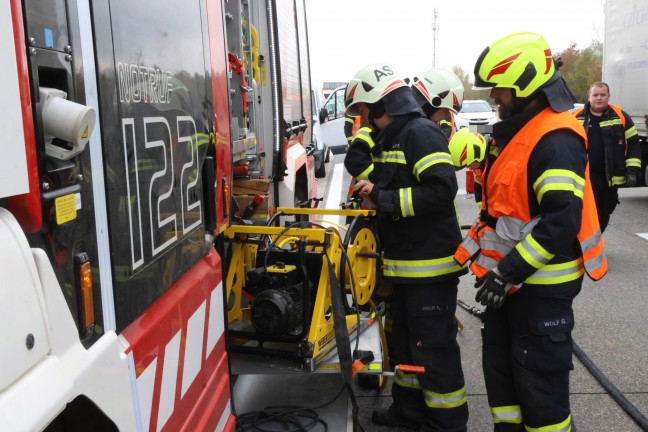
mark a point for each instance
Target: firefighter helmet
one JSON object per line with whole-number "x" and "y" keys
{"x": 520, "y": 61}
{"x": 440, "y": 88}
{"x": 371, "y": 84}
{"x": 467, "y": 147}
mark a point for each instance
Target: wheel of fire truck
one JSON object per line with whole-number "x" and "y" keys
{"x": 361, "y": 262}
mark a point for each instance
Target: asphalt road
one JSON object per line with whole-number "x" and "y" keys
{"x": 611, "y": 328}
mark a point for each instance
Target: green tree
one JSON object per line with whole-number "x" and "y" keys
{"x": 581, "y": 68}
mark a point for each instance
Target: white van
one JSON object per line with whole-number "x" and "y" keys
{"x": 328, "y": 126}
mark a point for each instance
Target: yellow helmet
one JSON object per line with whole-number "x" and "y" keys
{"x": 520, "y": 61}
{"x": 440, "y": 88}
{"x": 467, "y": 147}
{"x": 371, "y": 84}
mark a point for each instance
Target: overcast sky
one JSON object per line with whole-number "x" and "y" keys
{"x": 346, "y": 35}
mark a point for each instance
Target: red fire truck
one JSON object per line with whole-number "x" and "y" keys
{"x": 122, "y": 121}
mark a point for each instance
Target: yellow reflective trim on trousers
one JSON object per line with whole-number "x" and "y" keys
{"x": 564, "y": 426}
{"x": 507, "y": 414}
{"x": 633, "y": 162}
{"x": 364, "y": 174}
{"x": 559, "y": 179}
{"x": 533, "y": 253}
{"x": 420, "y": 268}
{"x": 406, "y": 380}
{"x": 432, "y": 159}
{"x": 394, "y": 156}
{"x": 617, "y": 180}
{"x": 551, "y": 274}
{"x": 406, "y": 204}
{"x": 445, "y": 400}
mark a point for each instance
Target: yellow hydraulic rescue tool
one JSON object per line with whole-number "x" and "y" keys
{"x": 280, "y": 282}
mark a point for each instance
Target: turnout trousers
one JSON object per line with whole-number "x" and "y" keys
{"x": 526, "y": 359}
{"x": 606, "y": 197}
{"x": 424, "y": 333}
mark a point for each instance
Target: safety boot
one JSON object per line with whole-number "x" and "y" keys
{"x": 391, "y": 418}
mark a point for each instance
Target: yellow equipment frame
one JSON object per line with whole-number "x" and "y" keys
{"x": 320, "y": 339}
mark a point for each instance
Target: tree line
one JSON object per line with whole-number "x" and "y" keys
{"x": 580, "y": 68}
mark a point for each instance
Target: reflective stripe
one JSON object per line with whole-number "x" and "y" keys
{"x": 491, "y": 241}
{"x": 471, "y": 246}
{"x": 611, "y": 122}
{"x": 617, "y": 180}
{"x": 630, "y": 132}
{"x": 394, "y": 156}
{"x": 421, "y": 268}
{"x": 364, "y": 135}
{"x": 364, "y": 174}
{"x": 593, "y": 253}
{"x": 429, "y": 160}
{"x": 445, "y": 400}
{"x": 551, "y": 274}
{"x": 532, "y": 252}
{"x": 565, "y": 426}
{"x": 406, "y": 205}
{"x": 559, "y": 180}
{"x": 406, "y": 380}
{"x": 590, "y": 243}
{"x": 633, "y": 162}
{"x": 485, "y": 262}
{"x": 507, "y": 414}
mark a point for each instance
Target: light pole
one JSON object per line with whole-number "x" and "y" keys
{"x": 435, "y": 28}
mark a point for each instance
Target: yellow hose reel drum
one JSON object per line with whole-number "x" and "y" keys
{"x": 362, "y": 254}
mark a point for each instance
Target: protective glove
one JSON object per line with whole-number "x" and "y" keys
{"x": 492, "y": 289}
{"x": 630, "y": 179}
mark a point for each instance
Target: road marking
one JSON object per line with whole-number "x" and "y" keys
{"x": 643, "y": 235}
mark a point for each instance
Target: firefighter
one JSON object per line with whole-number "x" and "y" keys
{"x": 613, "y": 149}
{"x": 468, "y": 150}
{"x": 537, "y": 235}
{"x": 440, "y": 95}
{"x": 351, "y": 127}
{"x": 419, "y": 231}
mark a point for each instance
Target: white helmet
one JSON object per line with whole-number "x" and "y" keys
{"x": 371, "y": 84}
{"x": 440, "y": 88}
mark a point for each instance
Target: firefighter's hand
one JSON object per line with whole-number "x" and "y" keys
{"x": 630, "y": 179}
{"x": 492, "y": 289}
{"x": 363, "y": 187}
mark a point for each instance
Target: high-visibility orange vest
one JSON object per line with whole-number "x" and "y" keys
{"x": 356, "y": 125}
{"x": 507, "y": 197}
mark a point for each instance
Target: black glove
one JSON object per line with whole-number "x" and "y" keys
{"x": 492, "y": 289}
{"x": 630, "y": 179}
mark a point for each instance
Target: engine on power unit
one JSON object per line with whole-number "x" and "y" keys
{"x": 280, "y": 301}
